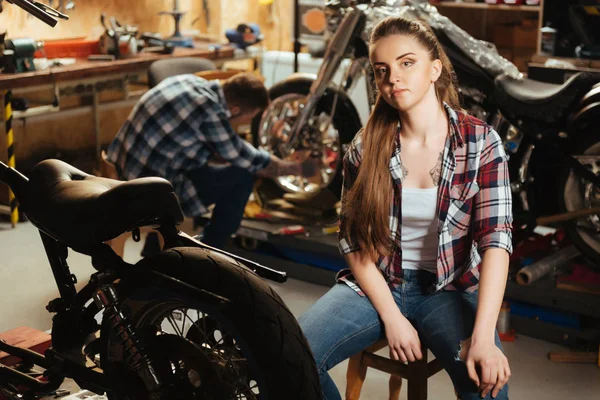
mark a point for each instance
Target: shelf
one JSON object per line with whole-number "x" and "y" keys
{"x": 485, "y": 6}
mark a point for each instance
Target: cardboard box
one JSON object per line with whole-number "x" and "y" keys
{"x": 516, "y": 36}
{"x": 24, "y": 337}
{"x": 521, "y": 58}
{"x": 518, "y": 56}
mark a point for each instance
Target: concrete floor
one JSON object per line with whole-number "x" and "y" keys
{"x": 26, "y": 285}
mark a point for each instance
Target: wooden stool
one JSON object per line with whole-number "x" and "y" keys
{"x": 416, "y": 373}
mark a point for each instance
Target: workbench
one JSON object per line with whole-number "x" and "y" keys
{"x": 84, "y": 69}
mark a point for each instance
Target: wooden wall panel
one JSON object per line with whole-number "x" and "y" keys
{"x": 85, "y": 18}
{"x": 275, "y": 20}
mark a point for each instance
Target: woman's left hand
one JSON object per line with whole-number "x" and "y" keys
{"x": 493, "y": 365}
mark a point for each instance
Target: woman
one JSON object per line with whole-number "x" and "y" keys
{"x": 425, "y": 227}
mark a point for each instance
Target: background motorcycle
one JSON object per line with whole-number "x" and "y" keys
{"x": 551, "y": 131}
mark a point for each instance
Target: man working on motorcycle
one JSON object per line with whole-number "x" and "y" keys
{"x": 178, "y": 129}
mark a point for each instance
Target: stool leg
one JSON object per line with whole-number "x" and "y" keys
{"x": 395, "y": 387}
{"x": 417, "y": 380}
{"x": 355, "y": 377}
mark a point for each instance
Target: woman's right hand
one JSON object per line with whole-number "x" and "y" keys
{"x": 403, "y": 339}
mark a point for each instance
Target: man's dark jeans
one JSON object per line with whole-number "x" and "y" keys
{"x": 228, "y": 188}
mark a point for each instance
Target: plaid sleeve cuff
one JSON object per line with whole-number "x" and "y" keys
{"x": 255, "y": 159}
{"x": 345, "y": 247}
{"x": 499, "y": 239}
{"x": 261, "y": 160}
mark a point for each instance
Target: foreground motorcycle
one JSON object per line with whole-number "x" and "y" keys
{"x": 551, "y": 131}
{"x": 191, "y": 322}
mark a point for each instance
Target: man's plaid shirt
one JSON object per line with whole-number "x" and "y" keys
{"x": 474, "y": 206}
{"x": 177, "y": 126}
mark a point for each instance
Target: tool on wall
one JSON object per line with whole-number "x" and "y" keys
{"x": 177, "y": 39}
{"x": 63, "y": 5}
{"x": 207, "y": 35}
{"x": 206, "y": 10}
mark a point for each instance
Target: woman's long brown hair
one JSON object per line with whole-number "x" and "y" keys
{"x": 367, "y": 205}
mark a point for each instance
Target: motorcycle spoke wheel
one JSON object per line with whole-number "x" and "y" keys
{"x": 287, "y": 108}
{"x": 207, "y": 335}
{"x": 580, "y": 194}
{"x": 250, "y": 347}
{"x": 195, "y": 356}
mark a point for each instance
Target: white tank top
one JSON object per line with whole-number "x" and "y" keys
{"x": 419, "y": 229}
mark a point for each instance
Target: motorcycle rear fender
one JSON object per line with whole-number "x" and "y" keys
{"x": 173, "y": 271}
{"x": 587, "y": 115}
{"x": 302, "y": 83}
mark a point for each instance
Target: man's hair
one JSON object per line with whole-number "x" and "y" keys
{"x": 247, "y": 91}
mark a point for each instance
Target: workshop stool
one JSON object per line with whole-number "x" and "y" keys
{"x": 162, "y": 69}
{"x": 416, "y": 373}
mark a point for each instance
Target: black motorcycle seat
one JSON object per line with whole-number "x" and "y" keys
{"x": 530, "y": 91}
{"x": 546, "y": 102}
{"x": 80, "y": 210}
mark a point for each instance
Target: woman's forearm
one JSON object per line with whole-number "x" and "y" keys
{"x": 492, "y": 283}
{"x": 373, "y": 284}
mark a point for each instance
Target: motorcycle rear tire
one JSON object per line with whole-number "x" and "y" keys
{"x": 256, "y": 318}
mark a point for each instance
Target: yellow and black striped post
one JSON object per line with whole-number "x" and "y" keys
{"x": 14, "y": 212}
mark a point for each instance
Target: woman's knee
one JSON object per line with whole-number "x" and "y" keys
{"x": 337, "y": 324}
{"x": 453, "y": 356}
{"x": 313, "y": 324}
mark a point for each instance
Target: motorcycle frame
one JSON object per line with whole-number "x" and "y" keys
{"x": 76, "y": 308}
{"x": 351, "y": 24}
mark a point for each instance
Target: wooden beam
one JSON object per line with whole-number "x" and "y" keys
{"x": 484, "y": 6}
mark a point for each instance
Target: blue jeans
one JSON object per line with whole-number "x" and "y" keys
{"x": 228, "y": 188}
{"x": 342, "y": 323}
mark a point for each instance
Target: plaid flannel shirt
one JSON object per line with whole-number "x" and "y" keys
{"x": 178, "y": 126}
{"x": 474, "y": 207}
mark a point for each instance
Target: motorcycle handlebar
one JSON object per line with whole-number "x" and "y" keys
{"x": 3, "y": 168}
{"x": 41, "y": 11}
{"x": 16, "y": 181}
